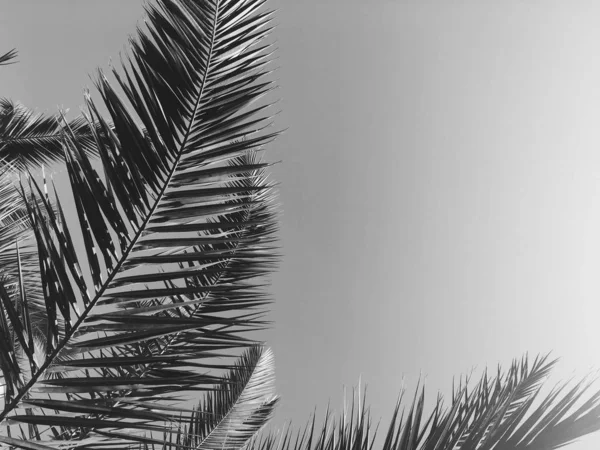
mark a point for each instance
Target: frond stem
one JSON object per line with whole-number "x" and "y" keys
{"x": 23, "y": 392}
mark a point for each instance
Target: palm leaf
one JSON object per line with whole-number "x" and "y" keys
{"x": 497, "y": 413}
{"x": 228, "y": 418}
{"x": 18, "y": 258}
{"x": 177, "y": 232}
{"x": 12, "y": 220}
{"x": 174, "y": 230}
{"x": 28, "y": 139}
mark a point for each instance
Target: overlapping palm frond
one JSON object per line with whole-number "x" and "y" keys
{"x": 102, "y": 346}
{"x": 18, "y": 257}
{"x": 28, "y": 140}
{"x": 12, "y": 221}
{"x": 176, "y": 235}
{"x": 496, "y": 413}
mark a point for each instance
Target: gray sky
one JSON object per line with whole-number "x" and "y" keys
{"x": 440, "y": 181}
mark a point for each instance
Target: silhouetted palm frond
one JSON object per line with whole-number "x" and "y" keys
{"x": 176, "y": 234}
{"x": 497, "y": 413}
{"x": 28, "y": 139}
{"x": 18, "y": 257}
{"x": 103, "y": 344}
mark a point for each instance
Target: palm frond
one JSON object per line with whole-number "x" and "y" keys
{"x": 234, "y": 413}
{"x": 176, "y": 232}
{"x": 497, "y": 413}
{"x": 12, "y": 220}
{"x": 28, "y": 139}
{"x": 18, "y": 258}
{"x": 112, "y": 339}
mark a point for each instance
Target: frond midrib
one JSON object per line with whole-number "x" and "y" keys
{"x": 50, "y": 359}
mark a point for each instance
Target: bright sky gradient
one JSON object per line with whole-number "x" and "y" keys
{"x": 440, "y": 181}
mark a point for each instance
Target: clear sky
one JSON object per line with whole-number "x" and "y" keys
{"x": 440, "y": 181}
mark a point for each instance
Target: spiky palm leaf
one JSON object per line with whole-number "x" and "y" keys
{"x": 228, "y": 418}
{"x": 175, "y": 231}
{"x": 12, "y": 221}
{"x": 18, "y": 257}
{"x": 28, "y": 139}
{"x": 497, "y": 414}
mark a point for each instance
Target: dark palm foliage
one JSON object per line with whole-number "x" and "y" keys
{"x": 13, "y": 223}
{"x": 28, "y": 140}
{"x": 100, "y": 348}
{"x": 497, "y": 413}
{"x": 18, "y": 257}
{"x": 176, "y": 229}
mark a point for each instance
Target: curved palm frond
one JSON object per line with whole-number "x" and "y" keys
{"x": 228, "y": 418}
{"x": 497, "y": 414}
{"x": 174, "y": 233}
{"x": 105, "y": 346}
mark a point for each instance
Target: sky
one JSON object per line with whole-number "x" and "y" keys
{"x": 440, "y": 182}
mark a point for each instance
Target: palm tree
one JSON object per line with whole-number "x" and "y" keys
{"x": 101, "y": 347}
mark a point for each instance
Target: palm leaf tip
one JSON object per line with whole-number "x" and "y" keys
{"x": 234, "y": 413}
{"x": 7, "y": 58}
